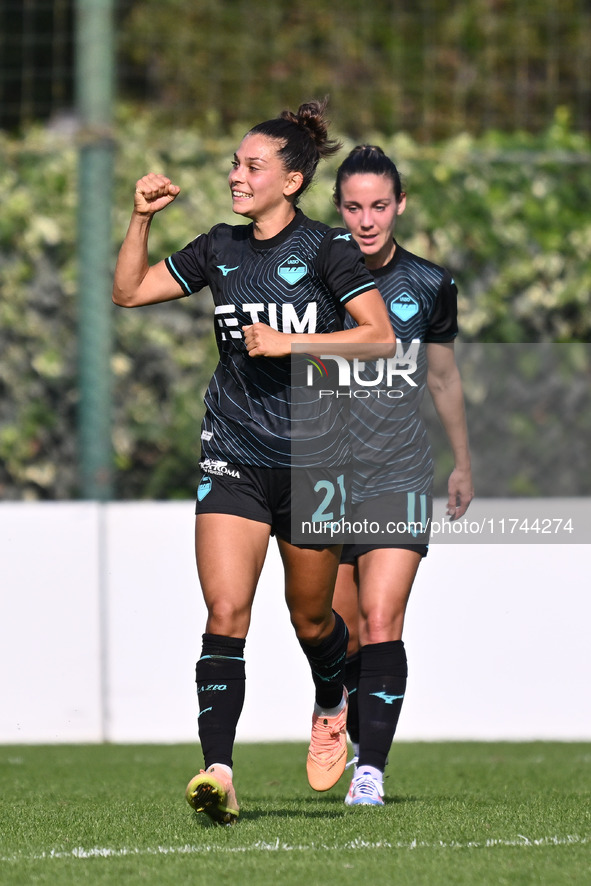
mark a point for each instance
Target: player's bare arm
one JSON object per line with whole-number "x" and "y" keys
{"x": 136, "y": 282}
{"x": 445, "y": 387}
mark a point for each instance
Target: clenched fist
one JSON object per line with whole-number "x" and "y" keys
{"x": 264, "y": 341}
{"x": 154, "y": 192}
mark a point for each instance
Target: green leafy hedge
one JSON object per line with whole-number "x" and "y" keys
{"x": 509, "y": 215}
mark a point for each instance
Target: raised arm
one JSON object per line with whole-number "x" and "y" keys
{"x": 445, "y": 387}
{"x": 136, "y": 282}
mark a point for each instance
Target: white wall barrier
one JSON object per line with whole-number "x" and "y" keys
{"x": 101, "y": 620}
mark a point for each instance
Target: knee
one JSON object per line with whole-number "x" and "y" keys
{"x": 227, "y": 618}
{"x": 378, "y": 627}
{"x": 311, "y": 631}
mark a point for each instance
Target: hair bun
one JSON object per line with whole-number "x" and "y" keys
{"x": 302, "y": 137}
{"x": 310, "y": 117}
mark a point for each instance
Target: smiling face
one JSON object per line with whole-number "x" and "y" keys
{"x": 369, "y": 209}
{"x": 261, "y": 187}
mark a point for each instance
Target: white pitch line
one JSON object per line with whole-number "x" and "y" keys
{"x": 79, "y": 852}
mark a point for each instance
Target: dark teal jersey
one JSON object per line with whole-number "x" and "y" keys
{"x": 390, "y": 447}
{"x": 297, "y": 282}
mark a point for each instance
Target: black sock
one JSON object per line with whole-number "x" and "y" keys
{"x": 352, "y": 671}
{"x": 382, "y": 684}
{"x": 327, "y": 661}
{"x": 220, "y": 677}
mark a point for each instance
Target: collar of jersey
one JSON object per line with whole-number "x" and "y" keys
{"x": 382, "y": 272}
{"x": 278, "y": 238}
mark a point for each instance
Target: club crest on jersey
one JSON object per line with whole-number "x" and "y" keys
{"x": 404, "y": 306}
{"x": 204, "y": 488}
{"x": 292, "y": 270}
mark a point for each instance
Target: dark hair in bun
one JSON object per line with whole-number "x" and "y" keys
{"x": 304, "y": 136}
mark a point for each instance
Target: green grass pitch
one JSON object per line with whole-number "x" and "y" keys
{"x": 456, "y": 813}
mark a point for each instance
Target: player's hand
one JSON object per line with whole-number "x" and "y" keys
{"x": 264, "y": 341}
{"x": 154, "y": 192}
{"x": 460, "y": 493}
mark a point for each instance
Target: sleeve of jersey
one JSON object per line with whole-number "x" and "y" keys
{"x": 188, "y": 266}
{"x": 342, "y": 267}
{"x": 443, "y": 326}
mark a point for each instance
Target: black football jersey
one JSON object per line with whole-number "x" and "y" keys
{"x": 296, "y": 282}
{"x": 390, "y": 447}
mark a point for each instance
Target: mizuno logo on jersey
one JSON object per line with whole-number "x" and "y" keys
{"x": 343, "y": 237}
{"x": 292, "y": 270}
{"x": 218, "y": 468}
{"x": 225, "y": 270}
{"x": 284, "y": 318}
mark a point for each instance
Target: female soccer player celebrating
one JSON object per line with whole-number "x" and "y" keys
{"x": 280, "y": 280}
{"x": 392, "y": 467}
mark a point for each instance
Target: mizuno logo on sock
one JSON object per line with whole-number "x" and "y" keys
{"x": 388, "y": 699}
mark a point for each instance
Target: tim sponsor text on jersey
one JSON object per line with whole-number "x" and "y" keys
{"x": 282, "y": 317}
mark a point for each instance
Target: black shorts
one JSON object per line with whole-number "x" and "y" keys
{"x": 287, "y": 499}
{"x": 399, "y": 520}
{"x": 350, "y": 553}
